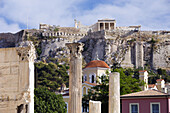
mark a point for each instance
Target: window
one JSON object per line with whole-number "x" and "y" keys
{"x": 155, "y": 107}
{"x": 92, "y": 79}
{"x": 134, "y": 107}
{"x": 85, "y": 78}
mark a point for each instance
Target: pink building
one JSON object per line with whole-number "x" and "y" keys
{"x": 149, "y": 101}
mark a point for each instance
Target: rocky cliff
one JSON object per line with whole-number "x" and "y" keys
{"x": 125, "y": 48}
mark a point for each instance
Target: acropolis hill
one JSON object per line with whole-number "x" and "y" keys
{"x": 123, "y": 46}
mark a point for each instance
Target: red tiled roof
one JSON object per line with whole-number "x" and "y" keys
{"x": 97, "y": 63}
{"x": 151, "y": 85}
{"x": 146, "y": 93}
{"x": 142, "y": 70}
{"x": 67, "y": 94}
{"x": 93, "y": 84}
{"x": 159, "y": 79}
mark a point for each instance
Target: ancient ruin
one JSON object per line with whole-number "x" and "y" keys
{"x": 17, "y": 79}
{"x": 94, "y": 106}
{"x": 75, "y": 85}
{"x": 114, "y": 92}
{"x": 75, "y": 78}
{"x": 127, "y": 46}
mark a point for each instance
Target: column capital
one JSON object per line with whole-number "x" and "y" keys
{"x": 75, "y": 49}
{"x": 26, "y": 53}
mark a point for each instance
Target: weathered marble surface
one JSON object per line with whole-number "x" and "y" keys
{"x": 114, "y": 92}
{"x": 94, "y": 106}
{"x": 75, "y": 78}
{"x": 17, "y": 79}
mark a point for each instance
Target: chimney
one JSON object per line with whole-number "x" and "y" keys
{"x": 160, "y": 84}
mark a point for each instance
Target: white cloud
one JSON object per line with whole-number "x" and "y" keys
{"x": 4, "y": 27}
{"x": 148, "y": 13}
{"x": 38, "y": 11}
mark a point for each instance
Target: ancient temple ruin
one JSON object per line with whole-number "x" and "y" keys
{"x": 17, "y": 79}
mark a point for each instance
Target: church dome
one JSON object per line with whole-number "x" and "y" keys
{"x": 97, "y": 63}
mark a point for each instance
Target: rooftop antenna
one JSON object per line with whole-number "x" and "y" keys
{"x": 27, "y": 21}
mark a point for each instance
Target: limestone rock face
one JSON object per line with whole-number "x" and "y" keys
{"x": 9, "y": 39}
{"x": 161, "y": 55}
{"x": 49, "y": 47}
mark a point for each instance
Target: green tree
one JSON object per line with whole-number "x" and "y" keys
{"x": 163, "y": 74}
{"x": 98, "y": 93}
{"x": 48, "y": 102}
{"x": 51, "y": 75}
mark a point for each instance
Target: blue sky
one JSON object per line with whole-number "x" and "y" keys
{"x": 150, "y": 14}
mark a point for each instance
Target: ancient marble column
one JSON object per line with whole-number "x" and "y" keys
{"x": 103, "y": 25}
{"x": 75, "y": 78}
{"x": 114, "y": 92}
{"x": 98, "y": 26}
{"x": 26, "y": 54}
{"x": 94, "y": 106}
{"x": 109, "y": 25}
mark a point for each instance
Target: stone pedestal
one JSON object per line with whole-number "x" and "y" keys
{"x": 75, "y": 78}
{"x": 114, "y": 92}
{"x": 94, "y": 106}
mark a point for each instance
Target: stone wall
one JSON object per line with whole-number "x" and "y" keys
{"x": 17, "y": 80}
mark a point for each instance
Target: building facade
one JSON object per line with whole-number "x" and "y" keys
{"x": 94, "y": 70}
{"x": 149, "y": 101}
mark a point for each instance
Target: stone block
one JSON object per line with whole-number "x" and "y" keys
{"x": 4, "y": 68}
{"x": 9, "y": 83}
{"x": 94, "y": 106}
{"x": 14, "y": 70}
{"x": 8, "y": 55}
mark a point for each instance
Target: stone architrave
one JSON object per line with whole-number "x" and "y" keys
{"x": 94, "y": 106}
{"x": 114, "y": 92}
{"x": 75, "y": 78}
